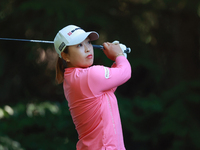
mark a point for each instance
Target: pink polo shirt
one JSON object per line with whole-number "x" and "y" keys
{"x": 93, "y": 105}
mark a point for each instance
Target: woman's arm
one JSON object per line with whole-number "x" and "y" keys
{"x": 102, "y": 78}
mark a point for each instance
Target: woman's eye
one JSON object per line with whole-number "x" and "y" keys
{"x": 79, "y": 45}
{"x": 89, "y": 42}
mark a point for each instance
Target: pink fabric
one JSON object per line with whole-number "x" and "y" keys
{"x": 93, "y": 105}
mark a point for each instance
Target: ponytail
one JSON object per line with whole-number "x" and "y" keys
{"x": 60, "y": 69}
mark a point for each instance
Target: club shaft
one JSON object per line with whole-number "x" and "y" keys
{"x": 25, "y": 40}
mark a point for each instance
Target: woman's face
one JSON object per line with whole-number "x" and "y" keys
{"x": 80, "y": 55}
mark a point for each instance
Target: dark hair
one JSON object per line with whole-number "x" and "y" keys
{"x": 60, "y": 68}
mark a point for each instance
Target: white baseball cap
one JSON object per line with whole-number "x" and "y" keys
{"x": 72, "y": 35}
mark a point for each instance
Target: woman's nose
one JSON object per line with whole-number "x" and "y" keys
{"x": 87, "y": 49}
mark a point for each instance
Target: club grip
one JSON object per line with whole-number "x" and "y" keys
{"x": 127, "y": 50}
{"x": 98, "y": 46}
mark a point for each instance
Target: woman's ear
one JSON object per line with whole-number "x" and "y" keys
{"x": 65, "y": 56}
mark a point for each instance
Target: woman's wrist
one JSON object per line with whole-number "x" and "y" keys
{"x": 120, "y": 54}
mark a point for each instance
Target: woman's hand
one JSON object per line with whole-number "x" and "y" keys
{"x": 112, "y": 51}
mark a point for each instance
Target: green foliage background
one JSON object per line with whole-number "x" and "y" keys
{"x": 159, "y": 105}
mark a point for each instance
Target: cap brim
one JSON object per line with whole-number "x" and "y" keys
{"x": 92, "y": 35}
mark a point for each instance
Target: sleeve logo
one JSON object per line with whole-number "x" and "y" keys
{"x": 106, "y": 72}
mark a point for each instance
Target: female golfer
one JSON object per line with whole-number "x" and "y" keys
{"x": 89, "y": 89}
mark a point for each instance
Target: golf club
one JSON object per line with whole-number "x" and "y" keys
{"x": 127, "y": 50}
